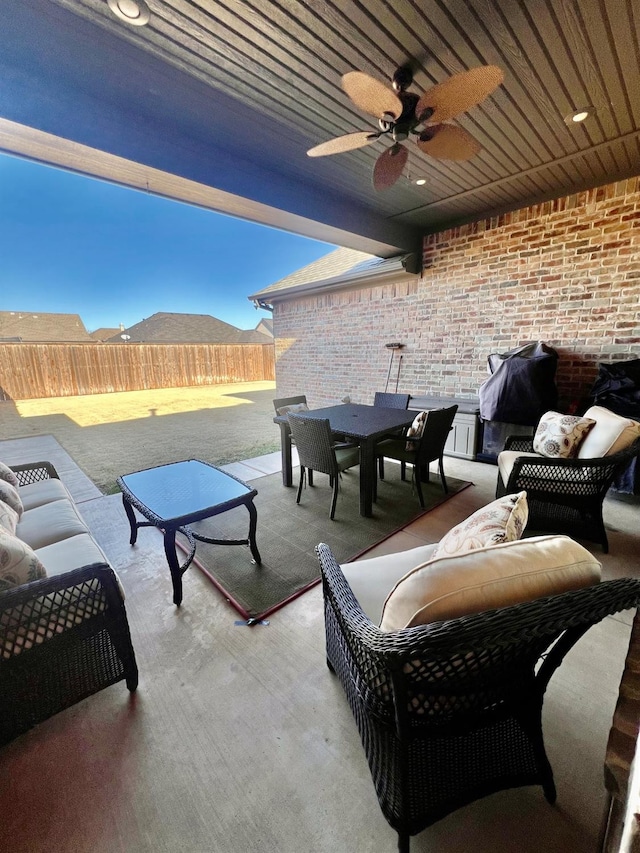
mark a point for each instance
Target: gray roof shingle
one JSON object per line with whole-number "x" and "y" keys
{"x": 338, "y": 266}
{"x": 165, "y": 327}
{"x": 31, "y": 326}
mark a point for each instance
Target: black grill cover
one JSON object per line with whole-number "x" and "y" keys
{"x": 617, "y": 388}
{"x": 522, "y": 385}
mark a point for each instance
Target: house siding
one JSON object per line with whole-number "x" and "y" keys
{"x": 566, "y": 272}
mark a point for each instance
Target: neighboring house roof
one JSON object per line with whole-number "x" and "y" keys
{"x": 104, "y": 333}
{"x": 265, "y": 326}
{"x": 30, "y": 326}
{"x": 337, "y": 269}
{"x": 175, "y": 328}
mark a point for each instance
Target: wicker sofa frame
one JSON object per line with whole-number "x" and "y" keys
{"x": 452, "y": 711}
{"x": 62, "y": 638}
{"x": 565, "y": 495}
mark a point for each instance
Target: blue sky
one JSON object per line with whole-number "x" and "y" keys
{"x": 113, "y": 255}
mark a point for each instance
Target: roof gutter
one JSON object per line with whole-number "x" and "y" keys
{"x": 407, "y": 264}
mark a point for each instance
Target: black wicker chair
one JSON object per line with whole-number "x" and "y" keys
{"x": 452, "y": 711}
{"x": 391, "y": 401}
{"x": 564, "y": 495}
{"x": 317, "y": 452}
{"x": 426, "y": 449}
{"x": 62, "y": 639}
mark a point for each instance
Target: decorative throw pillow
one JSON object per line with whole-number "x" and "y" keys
{"x": 503, "y": 520}
{"x": 559, "y": 436}
{"x": 9, "y": 494}
{"x": 416, "y": 429}
{"x": 8, "y": 518}
{"x": 18, "y": 562}
{"x": 7, "y": 474}
{"x": 294, "y": 407}
{"x": 611, "y": 433}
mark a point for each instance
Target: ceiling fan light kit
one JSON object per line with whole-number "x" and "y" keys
{"x": 579, "y": 115}
{"x": 400, "y": 113}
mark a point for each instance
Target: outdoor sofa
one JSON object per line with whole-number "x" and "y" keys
{"x": 64, "y": 633}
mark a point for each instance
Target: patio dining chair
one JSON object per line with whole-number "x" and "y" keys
{"x": 420, "y": 450}
{"x": 391, "y": 401}
{"x": 318, "y": 452}
{"x": 283, "y": 405}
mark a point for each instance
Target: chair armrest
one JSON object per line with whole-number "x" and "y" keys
{"x": 33, "y": 613}
{"x": 344, "y": 445}
{"x": 583, "y": 477}
{"x": 32, "y": 472}
{"x": 523, "y": 443}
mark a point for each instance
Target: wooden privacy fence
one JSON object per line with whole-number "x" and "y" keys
{"x": 32, "y": 370}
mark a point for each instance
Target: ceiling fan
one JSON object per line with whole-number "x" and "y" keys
{"x": 400, "y": 114}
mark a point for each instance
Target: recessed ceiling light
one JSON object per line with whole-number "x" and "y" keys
{"x": 421, "y": 181}
{"x": 579, "y": 115}
{"x": 134, "y": 12}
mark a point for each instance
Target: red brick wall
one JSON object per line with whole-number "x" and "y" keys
{"x": 566, "y": 272}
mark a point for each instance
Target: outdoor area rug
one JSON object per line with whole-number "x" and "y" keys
{"x": 288, "y": 533}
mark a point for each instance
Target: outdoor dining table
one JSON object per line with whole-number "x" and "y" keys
{"x": 359, "y": 423}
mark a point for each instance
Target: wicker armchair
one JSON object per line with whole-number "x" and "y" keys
{"x": 451, "y": 711}
{"x": 62, "y": 638}
{"x": 564, "y": 495}
{"x": 317, "y": 452}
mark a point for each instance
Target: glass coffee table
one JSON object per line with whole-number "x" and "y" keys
{"x": 171, "y": 497}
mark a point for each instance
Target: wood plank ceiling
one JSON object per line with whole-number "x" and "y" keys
{"x": 258, "y": 83}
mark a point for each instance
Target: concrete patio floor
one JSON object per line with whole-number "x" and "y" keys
{"x": 240, "y": 740}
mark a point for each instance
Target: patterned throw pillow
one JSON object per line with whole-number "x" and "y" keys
{"x": 416, "y": 429}
{"x": 9, "y": 494}
{"x": 503, "y": 520}
{"x": 7, "y": 474}
{"x": 8, "y": 518}
{"x": 559, "y": 436}
{"x": 295, "y": 408}
{"x": 18, "y": 562}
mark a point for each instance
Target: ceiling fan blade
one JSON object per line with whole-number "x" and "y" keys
{"x": 348, "y": 142}
{"x": 448, "y": 142}
{"x": 459, "y": 93}
{"x": 389, "y": 166}
{"x": 371, "y": 95}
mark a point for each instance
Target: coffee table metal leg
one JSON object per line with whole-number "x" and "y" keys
{"x": 174, "y": 565}
{"x": 132, "y": 520}
{"x": 253, "y": 523}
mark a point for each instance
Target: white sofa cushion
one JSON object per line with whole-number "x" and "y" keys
{"x": 71, "y": 553}
{"x": 559, "y": 436}
{"x": 371, "y": 579}
{"x": 49, "y": 523}
{"x": 492, "y": 577}
{"x": 610, "y": 434}
{"x": 19, "y": 564}
{"x": 503, "y": 520}
{"x": 43, "y": 492}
